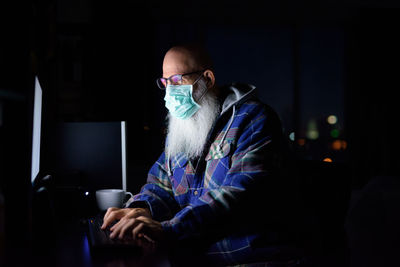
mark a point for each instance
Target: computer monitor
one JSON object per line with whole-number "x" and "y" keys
{"x": 41, "y": 202}
{"x": 36, "y": 130}
{"x": 90, "y": 155}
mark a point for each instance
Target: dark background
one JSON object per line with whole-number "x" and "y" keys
{"x": 99, "y": 61}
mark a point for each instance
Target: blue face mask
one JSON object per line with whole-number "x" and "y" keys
{"x": 179, "y": 101}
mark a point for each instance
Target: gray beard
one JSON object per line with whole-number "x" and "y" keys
{"x": 189, "y": 136}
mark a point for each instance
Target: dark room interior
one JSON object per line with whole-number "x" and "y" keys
{"x": 330, "y": 71}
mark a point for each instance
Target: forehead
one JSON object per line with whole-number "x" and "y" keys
{"x": 177, "y": 62}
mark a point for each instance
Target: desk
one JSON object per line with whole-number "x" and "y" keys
{"x": 72, "y": 249}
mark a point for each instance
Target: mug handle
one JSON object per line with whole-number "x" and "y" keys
{"x": 128, "y": 193}
{"x": 130, "y": 196}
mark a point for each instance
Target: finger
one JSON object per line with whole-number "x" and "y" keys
{"x": 126, "y": 227}
{"x": 114, "y": 215}
{"x": 144, "y": 219}
{"x": 106, "y": 218}
{"x": 146, "y": 237}
{"x": 115, "y": 232}
{"x": 108, "y": 212}
{"x": 121, "y": 214}
{"x": 122, "y": 218}
{"x": 107, "y": 222}
{"x": 117, "y": 228}
{"x": 117, "y": 225}
{"x": 138, "y": 229}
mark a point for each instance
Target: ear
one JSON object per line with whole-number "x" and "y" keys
{"x": 210, "y": 78}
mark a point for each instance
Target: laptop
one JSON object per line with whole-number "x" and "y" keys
{"x": 100, "y": 239}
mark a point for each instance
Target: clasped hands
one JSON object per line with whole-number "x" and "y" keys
{"x": 136, "y": 223}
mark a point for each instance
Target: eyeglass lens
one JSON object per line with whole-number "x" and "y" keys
{"x": 175, "y": 79}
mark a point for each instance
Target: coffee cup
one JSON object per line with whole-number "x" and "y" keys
{"x": 107, "y": 198}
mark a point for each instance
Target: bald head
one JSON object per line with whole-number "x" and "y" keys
{"x": 188, "y": 58}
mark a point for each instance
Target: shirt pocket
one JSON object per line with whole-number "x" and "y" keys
{"x": 218, "y": 150}
{"x": 217, "y": 164}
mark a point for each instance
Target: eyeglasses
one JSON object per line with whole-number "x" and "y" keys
{"x": 175, "y": 79}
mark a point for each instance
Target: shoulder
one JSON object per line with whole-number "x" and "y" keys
{"x": 254, "y": 108}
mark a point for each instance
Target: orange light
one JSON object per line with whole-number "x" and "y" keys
{"x": 301, "y": 141}
{"x": 336, "y": 145}
{"x": 327, "y": 160}
{"x": 339, "y": 145}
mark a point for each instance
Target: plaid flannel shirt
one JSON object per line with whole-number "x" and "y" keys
{"x": 188, "y": 201}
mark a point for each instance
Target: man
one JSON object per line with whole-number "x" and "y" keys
{"x": 214, "y": 184}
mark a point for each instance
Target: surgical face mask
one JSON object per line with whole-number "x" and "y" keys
{"x": 180, "y": 102}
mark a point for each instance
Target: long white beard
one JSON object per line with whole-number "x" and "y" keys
{"x": 189, "y": 136}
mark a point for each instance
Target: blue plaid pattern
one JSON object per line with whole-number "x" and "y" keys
{"x": 185, "y": 200}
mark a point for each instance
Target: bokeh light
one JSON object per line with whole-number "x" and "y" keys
{"x": 335, "y": 133}
{"x": 313, "y": 134}
{"x": 292, "y": 136}
{"x": 337, "y": 145}
{"x": 312, "y": 130}
{"x": 332, "y": 119}
{"x": 301, "y": 141}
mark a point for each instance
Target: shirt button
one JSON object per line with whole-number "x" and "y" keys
{"x": 196, "y": 192}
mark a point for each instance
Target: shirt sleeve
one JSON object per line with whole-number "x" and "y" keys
{"x": 251, "y": 164}
{"x": 157, "y": 193}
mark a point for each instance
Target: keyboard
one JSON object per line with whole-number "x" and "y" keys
{"x": 99, "y": 238}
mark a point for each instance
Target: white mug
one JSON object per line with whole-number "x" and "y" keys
{"x": 107, "y": 198}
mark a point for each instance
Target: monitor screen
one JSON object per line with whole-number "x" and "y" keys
{"x": 90, "y": 154}
{"x": 37, "y": 122}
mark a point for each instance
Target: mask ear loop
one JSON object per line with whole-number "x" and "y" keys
{"x": 205, "y": 92}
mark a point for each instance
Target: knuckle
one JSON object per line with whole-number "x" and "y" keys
{"x": 136, "y": 211}
{"x": 142, "y": 218}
